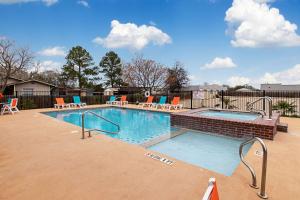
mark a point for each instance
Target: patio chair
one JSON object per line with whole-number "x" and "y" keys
{"x": 148, "y": 103}
{"x": 161, "y": 103}
{"x": 60, "y": 103}
{"x": 111, "y": 100}
{"x": 174, "y": 104}
{"x": 122, "y": 101}
{"x": 11, "y": 107}
{"x": 77, "y": 102}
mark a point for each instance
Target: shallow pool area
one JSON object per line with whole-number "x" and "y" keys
{"x": 244, "y": 116}
{"x": 216, "y": 153}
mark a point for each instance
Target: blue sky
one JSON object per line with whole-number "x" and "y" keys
{"x": 219, "y": 41}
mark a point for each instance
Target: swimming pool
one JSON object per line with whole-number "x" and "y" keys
{"x": 244, "y": 116}
{"x": 136, "y": 126}
{"x": 216, "y": 153}
{"x": 219, "y": 154}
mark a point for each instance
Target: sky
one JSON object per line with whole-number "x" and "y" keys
{"x": 219, "y": 41}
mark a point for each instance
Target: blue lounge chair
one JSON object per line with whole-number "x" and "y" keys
{"x": 112, "y": 100}
{"x": 77, "y": 101}
{"x": 161, "y": 103}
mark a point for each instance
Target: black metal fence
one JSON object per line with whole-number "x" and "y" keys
{"x": 288, "y": 102}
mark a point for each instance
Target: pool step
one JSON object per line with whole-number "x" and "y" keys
{"x": 174, "y": 132}
{"x": 282, "y": 127}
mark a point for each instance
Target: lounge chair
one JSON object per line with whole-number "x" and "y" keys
{"x": 112, "y": 99}
{"x": 148, "y": 103}
{"x": 60, "y": 103}
{"x": 161, "y": 103}
{"x": 174, "y": 104}
{"x": 77, "y": 102}
{"x": 11, "y": 107}
{"x": 122, "y": 101}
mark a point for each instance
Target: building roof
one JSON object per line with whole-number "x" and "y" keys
{"x": 30, "y": 81}
{"x": 214, "y": 87}
{"x": 279, "y": 87}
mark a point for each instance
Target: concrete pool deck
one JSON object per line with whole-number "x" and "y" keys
{"x": 44, "y": 158}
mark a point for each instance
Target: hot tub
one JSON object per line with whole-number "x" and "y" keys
{"x": 227, "y": 122}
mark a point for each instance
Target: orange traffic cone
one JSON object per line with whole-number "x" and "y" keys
{"x": 214, "y": 193}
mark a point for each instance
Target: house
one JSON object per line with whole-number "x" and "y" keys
{"x": 245, "y": 90}
{"x": 21, "y": 87}
{"x": 207, "y": 87}
{"x": 279, "y": 87}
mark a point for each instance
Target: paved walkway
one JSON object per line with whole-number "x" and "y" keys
{"x": 45, "y": 159}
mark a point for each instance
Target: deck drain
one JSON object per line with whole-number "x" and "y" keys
{"x": 258, "y": 153}
{"x": 159, "y": 158}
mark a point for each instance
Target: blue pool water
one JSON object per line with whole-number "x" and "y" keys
{"x": 230, "y": 115}
{"x": 219, "y": 154}
{"x": 136, "y": 126}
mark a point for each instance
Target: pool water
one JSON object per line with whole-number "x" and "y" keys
{"x": 136, "y": 126}
{"x": 216, "y": 153}
{"x": 230, "y": 115}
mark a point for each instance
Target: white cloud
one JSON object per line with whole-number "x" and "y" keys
{"x": 46, "y": 66}
{"x": 131, "y": 36}
{"x": 50, "y": 2}
{"x": 220, "y": 63}
{"x": 253, "y": 23}
{"x": 2, "y": 37}
{"x": 83, "y": 3}
{"x": 46, "y": 2}
{"x": 289, "y": 76}
{"x": 238, "y": 80}
{"x": 53, "y": 51}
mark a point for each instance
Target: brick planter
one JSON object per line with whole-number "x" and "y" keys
{"x": 259, "y": 127}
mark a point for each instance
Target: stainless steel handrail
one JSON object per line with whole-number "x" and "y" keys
{"x": 269, "y": 99}
{"x": 99, "y": 116}
{"x": 262, "y": 193}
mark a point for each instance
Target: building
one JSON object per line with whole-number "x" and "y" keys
{"x": 279, "y": 87}
{"x": 29, "y": 87}
{"x": 207, "y": 87}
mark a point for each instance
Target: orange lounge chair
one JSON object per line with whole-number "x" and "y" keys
{"x": 175, "y": 104}
{"x": 148, "y": 103}
{"x": 122, "y": 101}
{"x": 11, "y": 107}
{"x": 60, "y": 103}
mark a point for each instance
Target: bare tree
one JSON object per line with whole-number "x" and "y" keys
{"x": 145, "y": 73}
{"x": 12, "y": 61}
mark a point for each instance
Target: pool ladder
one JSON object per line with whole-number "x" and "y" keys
{"x": 250, "y": 106}
{"x": 262, "y": 194}
{"x": 99, "y": 116}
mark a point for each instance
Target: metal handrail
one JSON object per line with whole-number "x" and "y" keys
{"x": 262, "y": 193}
{"x": 99, "y": 116}
{"x": 269, "y": 99}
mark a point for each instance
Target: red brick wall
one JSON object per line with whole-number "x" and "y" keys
{"x": 224, "y": 127}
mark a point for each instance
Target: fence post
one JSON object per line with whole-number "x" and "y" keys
{"x": 222, "y": 98}
{"x": 191, "y": 99}
{"x": 264, "y": 101}
{"x": 51, "y": 98}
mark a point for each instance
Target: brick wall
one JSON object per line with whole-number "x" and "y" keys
{"x": 265, "y": 130}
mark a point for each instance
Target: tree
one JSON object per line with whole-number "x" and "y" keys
{"x": 111, "y": 66}
{"x": 177, "y": 77}
{"x": 13, "y": 60}
{"x": 285, "y": 107}
{"x": 145, "y": 73}
{"x": 79, "y": 67}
